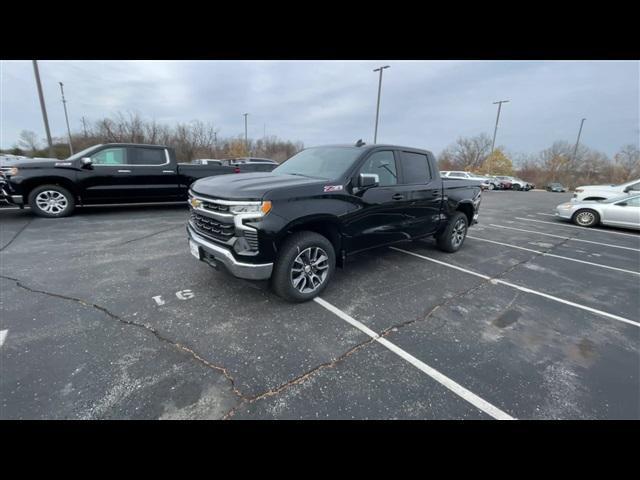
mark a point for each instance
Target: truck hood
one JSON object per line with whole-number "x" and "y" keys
{"x": 40, "y": 163}
{"x": 249, "y": 186}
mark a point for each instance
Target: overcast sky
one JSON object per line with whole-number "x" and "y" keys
{"x": 425, "y": 104}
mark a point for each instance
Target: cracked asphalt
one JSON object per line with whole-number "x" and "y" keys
{"x": 107, "y": 315}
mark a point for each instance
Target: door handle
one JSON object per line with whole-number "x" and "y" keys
{"x": 124, "y": 171}
{"x": 397, "y": 196}
{"x": 167, "y": 171}
{"x": 435, "y": 193}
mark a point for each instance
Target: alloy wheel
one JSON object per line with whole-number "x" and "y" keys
{"x": 309, "y": 269}
{"x": 51, "y": 201}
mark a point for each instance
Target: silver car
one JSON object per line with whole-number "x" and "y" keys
{"x": 620, "y": 211}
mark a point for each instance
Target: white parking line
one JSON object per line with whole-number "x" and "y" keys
{"x": 443, "y": 380}
{"x": 547, "y": 214}
{"x": 523, "y": 289}
{"x": 3, "y": 335}
{"x": 565, "y": 238}
{"x": 554, "y": 255}
{"x": 557, "y": 224}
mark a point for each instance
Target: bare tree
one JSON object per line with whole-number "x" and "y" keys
{"x": 29, "y": 141}
{"x": 467, "y": 153}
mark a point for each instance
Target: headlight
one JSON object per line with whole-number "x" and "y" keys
{"x": 566, "y": 206}
{"x": 262, "y": 208}
{"x": 11, "y": 171}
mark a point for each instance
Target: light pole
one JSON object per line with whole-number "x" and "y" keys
{"x": 246, "y": 141}
{"x": 495, "y": 131}
{"x": 64, "y": 104}
{"x": 575, "y": 149}
{"x": 375, "y": 134}
{"x": 42, "y": 107}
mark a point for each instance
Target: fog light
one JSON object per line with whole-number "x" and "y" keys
{"x": 241, "y": 245}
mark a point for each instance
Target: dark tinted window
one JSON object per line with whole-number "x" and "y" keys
{"x": 148, "y": 156}
{"x": 415, "y": 167}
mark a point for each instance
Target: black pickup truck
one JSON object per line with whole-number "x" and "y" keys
{"x": 104, "y": 174}
{"x": 298, "y": 222}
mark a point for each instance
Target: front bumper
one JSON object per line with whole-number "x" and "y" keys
{"x": 564, "y": 213}
{"x": 224, "y": 256}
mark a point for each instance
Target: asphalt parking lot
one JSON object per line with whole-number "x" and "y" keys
{"x": 106, "y": 315}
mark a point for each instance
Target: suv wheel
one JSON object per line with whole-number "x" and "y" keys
{"x": 304, "y": 267}
{"x": 452, "y": 237}
{"x": 586, "y": 218}
{"x": 52, "y": 201}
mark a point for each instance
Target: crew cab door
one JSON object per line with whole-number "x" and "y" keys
{"x": 421, "y": 188}
{"x": 122, "y": 174}
{"x": 381, "y": 212}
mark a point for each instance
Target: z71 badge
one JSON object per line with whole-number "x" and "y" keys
{"x": 332, "y": 188}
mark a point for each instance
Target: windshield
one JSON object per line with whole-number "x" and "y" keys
{"x": 320, "y": 162}
{"x": 82, "y": 153}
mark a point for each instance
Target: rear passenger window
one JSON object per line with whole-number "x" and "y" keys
{"x": 415, "y": 167}
{"x": 148, "y": 156}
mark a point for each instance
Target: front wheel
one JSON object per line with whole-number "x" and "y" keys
{"x": 51, "y": 201}
{"x": 452, "y": 237}
{"x": 492, "y": 186}
{"x": 586, "y": 218}
{"x": 304, "y": 267}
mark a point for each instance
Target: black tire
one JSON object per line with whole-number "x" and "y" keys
{"x": 586, "y": 217}
{"x": 63, "y": 201}
{"x": 446, "y": 240}
{"x": 516, "y": 187}
{"x": 292, "y": 255}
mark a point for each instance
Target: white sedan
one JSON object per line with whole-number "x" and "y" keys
{"x": 603, "y": 192}
{"x": 620, "y": 211}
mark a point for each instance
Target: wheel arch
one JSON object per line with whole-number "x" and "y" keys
{"x": 29, "y": 185}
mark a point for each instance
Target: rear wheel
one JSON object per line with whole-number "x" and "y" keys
{"x": 304, "y": 267}
{"x": 492, "y": 186}
{"x": 586, "y": 218}
{"x": 452, "y": 237}
{"x": 51, "y": 201}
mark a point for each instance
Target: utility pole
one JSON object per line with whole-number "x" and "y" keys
{"x": 375, "y": 133}
{"x": 64, "y": 104}
{"x": 84, "y": 127}
{"x": 43, "y": 108}
{"x": 575, "y": 149}
{"x": 246, "y": 141}
{"x": 495, "y": 131}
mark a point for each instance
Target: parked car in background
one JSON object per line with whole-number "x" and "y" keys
{"x": 206, "y": 161}
{"x": 556, "y": 187}
{"x": 516, "y": 183}
{"x": 484, "y": 181}
{"x": 621, "y": 211}
{"x": 603, "y": 192}
{"x": 102, "y": 174}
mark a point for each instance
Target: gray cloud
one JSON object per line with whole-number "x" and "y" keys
{"x": 424, "y": 103}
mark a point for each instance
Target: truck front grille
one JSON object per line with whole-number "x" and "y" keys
{"x": 212, "y": 228}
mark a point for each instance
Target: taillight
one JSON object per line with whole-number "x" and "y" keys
{"x": 236, "y": 170}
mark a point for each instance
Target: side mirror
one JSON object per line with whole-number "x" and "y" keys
{"x": 86, "y": 161}
{"x": 627, "y": 189}
{"x": 366, "y": 180}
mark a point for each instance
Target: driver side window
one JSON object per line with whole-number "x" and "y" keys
{"x": 110, "y": 156}
{"x": 382, "y": 164}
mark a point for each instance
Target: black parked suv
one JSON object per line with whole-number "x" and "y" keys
{"x": 295, "y": 224}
